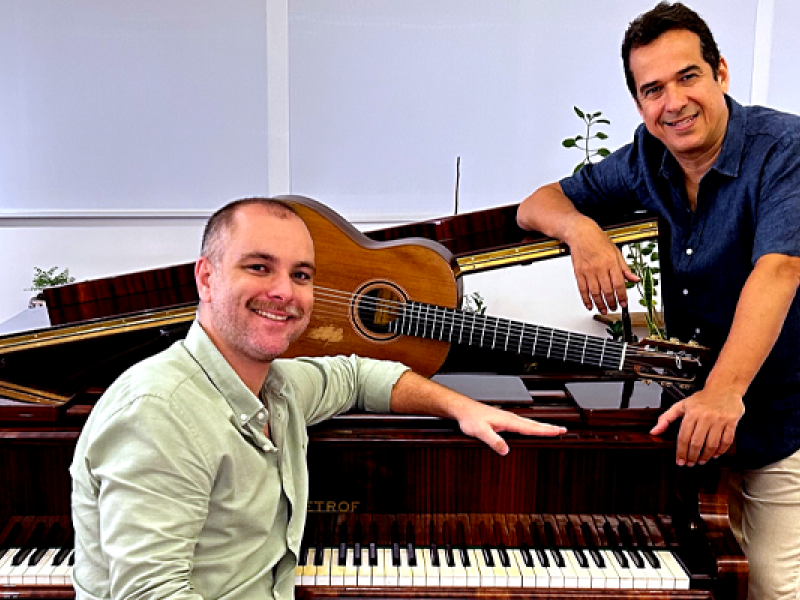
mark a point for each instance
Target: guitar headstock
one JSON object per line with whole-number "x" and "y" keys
{"x": 668, "y": 360}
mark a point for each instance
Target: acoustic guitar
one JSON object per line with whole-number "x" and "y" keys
{"x": 398, "y": 300}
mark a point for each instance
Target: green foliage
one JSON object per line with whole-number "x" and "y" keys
{"x": 582, "y": 142}
{"x": 643, "y": 260}
{"x": 475, "y": 303}
{"x": 50, "y": 278}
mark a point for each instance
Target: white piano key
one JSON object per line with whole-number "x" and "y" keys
{"x": 644, "y": 577}
{"x": 418, "y": 574}
{"x": 364, "y": 571}
{"x": 512, "y": 572}
{"x": 323, "y": 574}
{"x": 473, "y": 573}
{"x": 433, "y": 573}
{"x": 6, "y": 566}
{"x": 555, "y": 576}
{"x": 609, "y": 573}
{"x": 582, "y": 574}
{"x": 681, "y": 576}
{"x": 336, "y": 570}
{"x": 308, "y": 573}
{"x": 379, "y": 570}
{"x": 62, "y": 575}
{"x": 392, "y": 573}
{"x": 405, "y": 577}
{"x": 484, "y": 570}
{"x": 350, "y": 570}
{"x": 625, "y": 575}
{"x": 528, "y": 573}
{"x": 568, "y": 573}
{"x": 40, "y": 574}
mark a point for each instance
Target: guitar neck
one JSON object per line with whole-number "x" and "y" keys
{"x": 438, "y": 323}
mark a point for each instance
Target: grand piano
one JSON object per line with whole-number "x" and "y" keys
{"x": 405, "y": 507}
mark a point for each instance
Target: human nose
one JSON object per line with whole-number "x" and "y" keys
{"x": 280, "y": 287}
{"x": 674, "y": 99}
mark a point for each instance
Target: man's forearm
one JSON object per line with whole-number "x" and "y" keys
{"x": 549, "y": 211}
{"x": 760, "y": 313}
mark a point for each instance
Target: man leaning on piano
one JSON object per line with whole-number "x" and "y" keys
{"x": 726, "y": 181}
{"x": 189, "y": 478}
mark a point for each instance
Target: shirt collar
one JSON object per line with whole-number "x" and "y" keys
{"x": 245, "y": 405}
{"x": 730, "y": 155}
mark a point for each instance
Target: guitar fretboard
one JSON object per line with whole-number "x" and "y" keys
{"x": 460, "y": 327}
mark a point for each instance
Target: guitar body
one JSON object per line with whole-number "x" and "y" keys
{"x": 354, "y": 272}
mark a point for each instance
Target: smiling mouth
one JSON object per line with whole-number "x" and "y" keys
{"x": 680, "y": 123}
{"x": 270, "y": 316}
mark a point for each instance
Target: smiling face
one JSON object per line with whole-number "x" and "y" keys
{"x": 678, "y": 98}
{"x": 256, "y": 294}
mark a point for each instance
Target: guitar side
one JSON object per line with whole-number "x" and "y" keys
{"x": 350, "y": 268}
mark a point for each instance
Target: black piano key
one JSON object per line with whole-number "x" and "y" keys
{"x": 592, "y": 546}
{"x": 448, "y": 546}
{"x": 410, "y": 545}
{"x": 435, "y": 555}
{"x": 502, "y": 551}
{"x": 644, "y": 546}
{"x": 29, "y": 546}
{"x": 550, "y": 534}
{"x": 613, "y": 542}
{"x": 71, "y": 561}
{"x": 302, "y": 558}
{"x": 395, "y": 544}
{"x": 627, "y": 540}
{"x": 525, "y": 552}
{"x": 49, "y": 542}
{"x": 538, "y": 545}
{"x": 68, "y": 546}
{"x": 342, "y": 545}
{"x": 572, "y": 536}
{"x": 486, "y": 550}
{"x": 357, "y": 533}
{"x": 373, "y": 544}
{"x": 461, "y": 537}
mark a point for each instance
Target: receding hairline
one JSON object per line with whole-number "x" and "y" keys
{"x": 222, "y": 222}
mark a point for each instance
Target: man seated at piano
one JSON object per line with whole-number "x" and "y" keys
{"x": 725, "y": 179}
{"x": 189, "y": 478}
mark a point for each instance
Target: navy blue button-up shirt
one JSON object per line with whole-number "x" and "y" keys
{"x": 748, "y": 205}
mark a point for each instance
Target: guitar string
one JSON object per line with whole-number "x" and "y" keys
{"x": 456, "y": 318}
{"x": 558, "y": 341}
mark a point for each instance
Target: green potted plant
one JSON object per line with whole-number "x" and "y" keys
{"x": 44, "y": 279}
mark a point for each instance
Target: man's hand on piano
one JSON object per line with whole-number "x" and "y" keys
{"x": 416, "y": 395}
{"x": 600, "y": 269}
{"x": 485, "y": 423}
{"x": 709, "y": 424}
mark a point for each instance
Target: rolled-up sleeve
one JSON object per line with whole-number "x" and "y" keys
{"x": 325, "y": 387}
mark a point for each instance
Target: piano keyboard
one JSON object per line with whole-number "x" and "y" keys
{"x": 536, "y": 551}
{"x": 36, "y": 552}
{"x": 424, "y": 551}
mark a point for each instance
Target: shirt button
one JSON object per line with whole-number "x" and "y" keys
{"x": 261, "y": 416}
{"x": 243, "y": 417}
{"x": 689, "y": 252}
{"x": 697, "y": 330}
{"x": 265, "y": 447}
{"x": 685, "y": 292}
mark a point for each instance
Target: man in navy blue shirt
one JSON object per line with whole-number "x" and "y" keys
{"x": 726, "y": 181}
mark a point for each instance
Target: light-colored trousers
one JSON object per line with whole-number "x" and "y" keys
{"x": 764, "y": 510}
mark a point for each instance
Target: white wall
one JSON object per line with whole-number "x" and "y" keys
{"x": 122, "y": 125}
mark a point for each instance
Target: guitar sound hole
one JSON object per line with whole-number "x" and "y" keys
{"x": 376, "y": 306}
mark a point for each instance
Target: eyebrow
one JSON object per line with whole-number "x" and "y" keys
{"x": 303, "y": 264}
{"x": 683, "y": 71}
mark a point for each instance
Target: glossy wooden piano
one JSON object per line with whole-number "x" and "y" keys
{"x": 402, "y": 507}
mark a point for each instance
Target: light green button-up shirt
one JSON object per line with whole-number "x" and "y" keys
{"x": 178, "y": 493}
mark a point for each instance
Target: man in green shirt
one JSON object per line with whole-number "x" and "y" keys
{"x": 189, "y": 478}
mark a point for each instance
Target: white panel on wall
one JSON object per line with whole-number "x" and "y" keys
{"x": 131, "y": 105}
{"x": 385, "y": 95}
{"x": 783, "y": 90}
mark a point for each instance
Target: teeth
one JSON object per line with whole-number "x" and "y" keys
{"x": 270, "y": 316}
{"x": 681, "y": 122}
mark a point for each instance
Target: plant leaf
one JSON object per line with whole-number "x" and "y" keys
{"x": 603, "y": 151}
{"x": 569, "y": 143}
{"x": 601, "y": 136}
{"x": 579, "y": 112}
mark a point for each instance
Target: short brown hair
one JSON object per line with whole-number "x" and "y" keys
{"x": 222, "y": 220}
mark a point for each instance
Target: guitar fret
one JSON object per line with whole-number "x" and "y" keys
{"x": 550, "y": 346}
{"x": 602, "y": 353}
{"x": 566, "y": 347}
{"x": 521, "y": 336}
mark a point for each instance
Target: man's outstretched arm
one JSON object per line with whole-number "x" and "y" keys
{"x": 413, "y": 394}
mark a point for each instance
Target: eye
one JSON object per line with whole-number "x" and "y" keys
{"x": 652, "y": 92}
{"x": 303, "y": 276}
{"x": 688, "y": 76}
{"x": 257, "y": 268}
